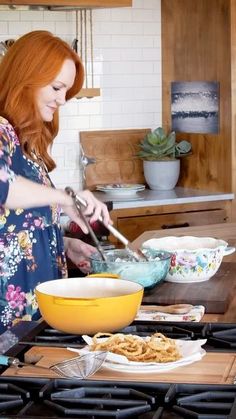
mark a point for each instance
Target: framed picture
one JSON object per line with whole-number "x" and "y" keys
{"x": 195, "y": 107}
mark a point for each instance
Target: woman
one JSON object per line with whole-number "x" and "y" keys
{"x": 39, "y": 73}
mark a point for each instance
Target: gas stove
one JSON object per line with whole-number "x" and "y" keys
{"x": 35, "y": 397}
{"x": 220, "y": 336}
{"x": 53, "y": 398}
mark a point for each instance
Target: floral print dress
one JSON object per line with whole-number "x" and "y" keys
{"x": 31, "y": 243}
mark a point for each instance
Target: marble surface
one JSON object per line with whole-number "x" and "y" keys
{"x": 178, "y": 195}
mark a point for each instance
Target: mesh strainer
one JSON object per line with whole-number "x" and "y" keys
{"x": 78, "y": 367}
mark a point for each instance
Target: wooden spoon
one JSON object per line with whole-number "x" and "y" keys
{"x": 174, "y": 308}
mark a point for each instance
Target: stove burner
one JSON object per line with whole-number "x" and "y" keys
{"x": 102, "y": 401}
{"x": 222, "y": 336}
{"x": 52, "y": 337}
{"x": 219, "y": 336}
{"x": 53, "y": 398}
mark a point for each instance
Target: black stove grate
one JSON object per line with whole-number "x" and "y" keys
{"x": 220, "y": 336}
{"x": 53, "y": 398}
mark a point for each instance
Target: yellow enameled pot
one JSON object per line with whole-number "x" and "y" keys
{"x": 96, "y": 303}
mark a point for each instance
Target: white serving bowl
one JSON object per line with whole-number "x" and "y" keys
{"x": 194, "y": 259}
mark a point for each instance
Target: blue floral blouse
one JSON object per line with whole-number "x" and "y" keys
{"x": 31, "y": 243}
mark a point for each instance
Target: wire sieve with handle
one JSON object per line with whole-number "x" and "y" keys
{"x": 79, "y": 367}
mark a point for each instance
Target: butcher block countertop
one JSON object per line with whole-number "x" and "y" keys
{"x": 213, "y": 368}
{"x": 225, "y": 231}
{"x": 178, "y": 195}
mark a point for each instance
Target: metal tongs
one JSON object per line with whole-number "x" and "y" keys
{"x": 80, "y": 203}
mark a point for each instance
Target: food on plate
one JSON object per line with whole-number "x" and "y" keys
{"x": 156, "y": 348}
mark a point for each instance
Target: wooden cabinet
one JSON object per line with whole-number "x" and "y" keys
{"x": 135, "y": 221}
{"x": 209, "y": 25}
{"x": 67, "y": 3}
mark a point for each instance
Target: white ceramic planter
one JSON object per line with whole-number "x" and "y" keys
{"x": 161, "y": 175}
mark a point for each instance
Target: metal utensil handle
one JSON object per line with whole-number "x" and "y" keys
{"x": 5, "y": 360}
{"x": 78, "y": 204}
{"x": 138, "y": 254}
{"x": 15, "y": 362}
{"x": 112, "y": 229}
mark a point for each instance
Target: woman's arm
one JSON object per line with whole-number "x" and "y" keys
{"x": 24, "y": 193}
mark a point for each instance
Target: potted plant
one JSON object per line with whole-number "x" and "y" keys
{"x": 160, "y": 153}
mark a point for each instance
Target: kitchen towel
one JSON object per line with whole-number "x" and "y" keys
{"x": 194, "y": 315}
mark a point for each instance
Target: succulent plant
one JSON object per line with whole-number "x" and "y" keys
{"x": 157, "y": 145}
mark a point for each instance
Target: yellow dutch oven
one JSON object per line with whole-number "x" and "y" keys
{"x": 96, "y": 303}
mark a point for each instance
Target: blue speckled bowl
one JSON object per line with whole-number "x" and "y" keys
{"x": 148, "y": 274}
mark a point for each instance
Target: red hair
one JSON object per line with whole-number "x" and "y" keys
{"x": 32, "y": 62}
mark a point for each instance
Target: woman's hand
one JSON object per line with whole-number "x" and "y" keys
{"x": 93, "y": 210}
{"x": 79, "y": 253}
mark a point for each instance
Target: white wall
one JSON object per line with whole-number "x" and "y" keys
{"x": 127, "y": 68}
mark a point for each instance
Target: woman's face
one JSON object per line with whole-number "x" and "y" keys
{"x": 50, "y": 97}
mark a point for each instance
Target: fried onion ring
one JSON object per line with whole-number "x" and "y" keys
{"x": 156, "y": 348}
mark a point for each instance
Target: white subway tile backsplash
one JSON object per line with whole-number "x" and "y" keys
{"x": 108, "y": 27}
{"x": 60, "y": 162}
{"x": 46, "y": 26}
{"x": 122, "y": 121}
{"x": 70, "y": 108}
{"x": 79, "y": 122}
{"x": 139, "y": 4}
{"x": 108, "y": 108}
{"x": 127, "y": 68}
{"x": 89, "y": 108}
{"x": 108, "y": 54}
{"x": 132, "y": 54}
{"x": 3, "y": 27}
{"x": 19, "y": 28}
{"x": 152, "y": 29}
{"x": 103, "y": 41}
{"x": 132, "y": 106}
{"x": 51, "y": 16}
{"x": 132, "y": 28}
{"x": 102, "y": 15}
{"x": 58, "y": 149}
{"x": 142, "y": 15}
{"x": 31, "y": 16}
{"x": 5, "y": 16}
{"x": 121, "y": 14}
{"x": 100, "y": 122}
{"x": 63, "y": 28}
{"x": 72, "y": 156}
{"x": 67, "y": 136}
{"x": 151, "y": 54}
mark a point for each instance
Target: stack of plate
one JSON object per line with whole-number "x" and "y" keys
{"x": 121, "y": 190}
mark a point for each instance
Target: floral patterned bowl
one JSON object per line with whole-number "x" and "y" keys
{"x": 194, "y": 259}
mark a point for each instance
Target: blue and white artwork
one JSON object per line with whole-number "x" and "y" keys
{"x": 195, "y": 107}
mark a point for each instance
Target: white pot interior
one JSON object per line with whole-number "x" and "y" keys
{"x": 88, "y": 287}
{"x": 173, "y": 243}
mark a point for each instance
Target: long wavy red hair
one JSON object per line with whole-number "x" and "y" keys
{"x": 32, "y": 62}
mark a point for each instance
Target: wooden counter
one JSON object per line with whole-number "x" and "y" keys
{"x": 225, "y": 231}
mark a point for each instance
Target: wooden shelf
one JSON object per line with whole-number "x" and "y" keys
{"x": 69, "y": 3}
{"x": 88, "y": 92}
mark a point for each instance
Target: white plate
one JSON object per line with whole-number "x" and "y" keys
{"x": 191, "y": 351}
{"x": 119, "y": 189}
{"x": 150, "y": 368}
